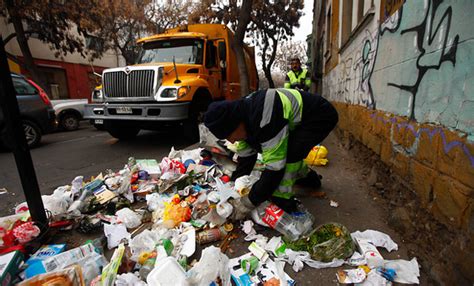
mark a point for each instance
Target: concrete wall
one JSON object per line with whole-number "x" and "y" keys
{"x": 404, "y": 86}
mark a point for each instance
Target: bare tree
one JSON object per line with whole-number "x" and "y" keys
{"x": 273, "y": 22}
{"x": 288, "y": 50}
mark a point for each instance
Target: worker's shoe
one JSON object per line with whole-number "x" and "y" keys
{"x": 242, "y": 208}
{"x": 312, "y": 180}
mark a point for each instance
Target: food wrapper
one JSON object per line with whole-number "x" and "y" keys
{"x": 26, "y": 232}
{"x": 351, "y": 276}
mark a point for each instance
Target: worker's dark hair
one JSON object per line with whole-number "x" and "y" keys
{"x": 295, "y": 59}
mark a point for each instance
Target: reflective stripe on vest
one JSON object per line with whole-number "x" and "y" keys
{"x": 292, "y": 106}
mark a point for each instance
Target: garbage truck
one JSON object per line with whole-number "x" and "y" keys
{"x": 176, "y": 76}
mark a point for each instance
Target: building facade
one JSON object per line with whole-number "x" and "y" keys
{"x": 70, "y": 76}
{"x": 401, "y": 76}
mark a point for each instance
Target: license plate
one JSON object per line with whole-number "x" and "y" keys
{"x": 124, "y": 110}
{"x": 98, "y": 121}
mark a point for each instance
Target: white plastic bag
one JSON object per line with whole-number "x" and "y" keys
{"x": 128, "y": 279}
{"x": 407, "y": 271}
{"x": 76, "y": 185}
{"x": 130, "y": 218}
{"x": 143, "y": 242}
{"x": 59, "y": 201}
{"x": 213, "y": 264}
{"x": 377, "y": 238}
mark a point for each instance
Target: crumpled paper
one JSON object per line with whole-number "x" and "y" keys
{"x": 298, "y": 258}
{"x": 247, "y": 228}
{"x": 377, "y": 238}
{"x": 115, "y": 233}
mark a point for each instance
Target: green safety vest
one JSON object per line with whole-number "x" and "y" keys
{"x": 296, "y": 80}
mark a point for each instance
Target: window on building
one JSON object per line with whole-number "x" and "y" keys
{"x": 328, "y": 31}
{"x": 346, "y": 20}
{"x": 94, "y": 43}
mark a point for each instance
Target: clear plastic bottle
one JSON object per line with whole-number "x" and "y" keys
{"x": 292, "y": 226}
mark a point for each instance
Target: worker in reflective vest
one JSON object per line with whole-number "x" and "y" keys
{"x": 297, "y": 78}
{"x": 281, "y": 124}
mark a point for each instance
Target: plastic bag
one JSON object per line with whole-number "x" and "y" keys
{"x": 168, "y": 165}
{"x": 26, "y": 232}
{"x": 130, "y": 218}
{"x": 317, "y": 156}
{"x": 155, "y": 202}
{"x": 58, "y": 202}
{"x": 125, "y": 185}
{"x": 127, "y": 279}
{"x": 76, "y": 185}
{"x": 326, "y": 242}
{"x": 68, "y": 276}
{"x": 213, "y": 264}
{"x": 144, "y": 242}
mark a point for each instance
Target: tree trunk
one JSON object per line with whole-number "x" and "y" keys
{"x": 238, "y": 46}
{"x": 267, "y": 67}
{"x": 25, "y": 49}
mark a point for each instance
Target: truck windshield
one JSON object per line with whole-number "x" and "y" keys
{"x": 185, "y": 51}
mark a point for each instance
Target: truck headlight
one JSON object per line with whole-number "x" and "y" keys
{"x": 97, "y": 95}
{"x": 170, "y": 93}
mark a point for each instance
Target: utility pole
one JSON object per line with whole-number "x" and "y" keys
{"x": 16, "y": 137}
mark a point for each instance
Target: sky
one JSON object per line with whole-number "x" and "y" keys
{"x": 306, "y": 22}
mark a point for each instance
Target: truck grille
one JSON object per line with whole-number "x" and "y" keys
{"x": 138, "y": 83}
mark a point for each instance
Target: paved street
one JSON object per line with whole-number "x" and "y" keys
{"x": 87, "y": 151}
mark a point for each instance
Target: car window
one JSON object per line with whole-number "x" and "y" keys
{"x": 22, "y": 87}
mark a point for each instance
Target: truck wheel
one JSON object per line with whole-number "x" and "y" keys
{"x": 32, "y": 133}
{"x": 122, "y": 132}
{"x": 69, "y": 122}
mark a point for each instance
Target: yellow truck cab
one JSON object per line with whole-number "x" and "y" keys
{"x": 176, "y": 76}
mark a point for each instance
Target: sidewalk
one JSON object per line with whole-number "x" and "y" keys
{"x": 343, "y": 182}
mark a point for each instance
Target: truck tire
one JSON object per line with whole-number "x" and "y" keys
{"x": 122, "y": 132}
{"x": 196, "y": 116}
{"x": 69, "y": 122}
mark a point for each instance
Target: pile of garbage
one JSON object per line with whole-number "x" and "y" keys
{"x": 153, "y": 215}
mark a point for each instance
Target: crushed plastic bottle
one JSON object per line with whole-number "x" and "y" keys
{"x": 292, "y": 226}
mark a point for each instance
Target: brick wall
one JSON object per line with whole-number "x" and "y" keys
{"x": 438, "y": 163}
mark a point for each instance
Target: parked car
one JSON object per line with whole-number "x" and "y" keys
{"x": 36, "y": 112}
{"x": 69, "y": 112}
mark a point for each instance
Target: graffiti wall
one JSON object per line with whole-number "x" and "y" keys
{"x": 418, "y": 63}
{"x": 404, "y": 87}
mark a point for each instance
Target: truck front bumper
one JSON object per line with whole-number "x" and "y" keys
{"x": 175, "y": 111}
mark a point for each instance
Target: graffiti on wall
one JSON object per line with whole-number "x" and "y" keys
{"x": 350, "y": 82}
{"x": 418, "y": 63}
{"x": 432, "y": 27}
